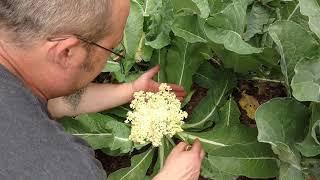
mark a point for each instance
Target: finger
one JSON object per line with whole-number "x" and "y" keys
{"x": 154, "y": 87}
{"x": 180, "y": 94}
{"x": 152, "y": 72}
{"x": 176, "y": 87}
{"x": 202, "y": 154}
{"x": 196, "y": 147}
{"x": 179, "y": 148}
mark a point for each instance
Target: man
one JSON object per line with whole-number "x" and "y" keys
{"x": 45, "y": 53}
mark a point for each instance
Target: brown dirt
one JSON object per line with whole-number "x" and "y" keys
{"x": 262, "y": 91}
{"x": 196, "y": 98}
{"x": 111, "y": 163}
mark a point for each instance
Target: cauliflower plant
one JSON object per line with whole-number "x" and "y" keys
{"x": 155, "y": 115}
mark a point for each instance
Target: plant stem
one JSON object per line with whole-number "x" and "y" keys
{"x": 293, "y": 12}
{"x": 267, "y": 80}
{"x": 171, "y": 141}
{"x": 161, "y": 154}
{"x": 181, "y": 137}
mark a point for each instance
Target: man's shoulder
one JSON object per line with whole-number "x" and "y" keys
{"x": 32, "y": 146}
{"x": 16, "y": 98}
{"x": 12, "y": 89}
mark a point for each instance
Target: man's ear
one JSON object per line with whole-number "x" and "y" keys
{"x": 68, "y": 52}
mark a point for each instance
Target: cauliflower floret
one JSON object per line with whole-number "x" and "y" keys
{"x": 155, "y": 115}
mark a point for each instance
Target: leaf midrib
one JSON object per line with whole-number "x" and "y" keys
{"x": 211, "y": 112}
{"x": 137, "y": 164}
{"x": 245, "y": 158}
{"x": 191, "y": 34}
{"x": 101, "y": 134}
{"x": 203, "y": 140}
{"x": 184, "y": 64}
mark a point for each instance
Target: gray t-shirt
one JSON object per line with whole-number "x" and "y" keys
{"x": 34, "y": 147}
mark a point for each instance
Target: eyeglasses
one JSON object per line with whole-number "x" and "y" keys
{"x": 119, "y": 55}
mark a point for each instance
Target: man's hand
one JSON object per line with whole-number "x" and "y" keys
{"x": 146, "y": 83}
{"x": 182, "y": 164}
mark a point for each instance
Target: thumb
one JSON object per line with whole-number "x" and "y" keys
{"x": 152, "y": 72}
{"x": 179, "y": 148}
{"x": 196, "y": 147}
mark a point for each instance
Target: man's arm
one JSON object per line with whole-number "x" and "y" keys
{"x": 94, "y": 98}
{"x": 99, "y": 97}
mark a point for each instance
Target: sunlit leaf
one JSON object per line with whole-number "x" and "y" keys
{"x": 100, "y": 131}
{"x": 138, "y": 169}
{"x": 182, "y": 62}
{"x": 311, "y": 8}
{"x": 310, "y": 146}
{"x": 306, "y": 81}
{"x": 282, "y": 123}
{"x": 227, "y": 26}
{"x": 188, "y": 27}
{"x": 294, "y": 43}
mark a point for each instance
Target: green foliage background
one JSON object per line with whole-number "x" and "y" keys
{"x": 275, "y": 40}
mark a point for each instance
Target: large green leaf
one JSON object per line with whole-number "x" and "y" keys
{"x": 315, "y": 133}
{"x": 258, "y": 17}
{"x": 161, "y": 17}
{"x": 222, "y": 137}
{"x": 151, "y": 6}
{"x": 183, "y": 60}
{"x": 269, "y": 59}
{"x": 211, "y": 172}
{"x": 139, "y": 166}
{"x": 163, "y": 152}
{"x": 310, "y": 147}
{"x": 207, "y": 76}
{"x": 233, "y": 147}
{"x": 134, "y": 29}
{"x": 227, "y": 131}
{"x": 311, "y": 8}
{"x": 231, "y": 40}
{"x": 294, "y": 43}
{"x": 207, "y": 112}
{"x": 282, "y": 122}
{"x": 100, "y": 131}
{"x": 255, "y": 160}
{"x": 120, "y": 111}
{"x": 185, "y": 6}
{"x": 201, "y": 7}
{"x": 159, "y": 57}
{"x": 144, "y": 52}
{"x": 227, "y": 26}
{"x": 188, "y": 27}
{"x": 216, "y": 6}
{"x": 289, "y": 10}
{"x": 306, "y": 81}
{"x": 229, "y": 115}
{"x": 133, "y": 33}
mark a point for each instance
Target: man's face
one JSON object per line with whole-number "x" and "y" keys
{"x": 96, "y": 58}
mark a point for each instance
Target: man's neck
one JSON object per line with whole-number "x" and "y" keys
{"x": 10, "y": 64}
